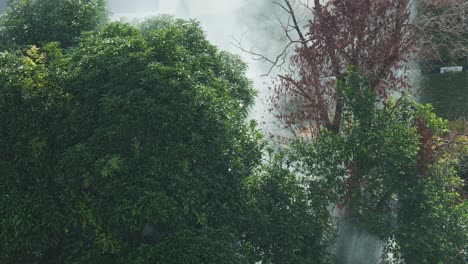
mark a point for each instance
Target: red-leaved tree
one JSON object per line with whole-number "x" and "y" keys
{"x": 374, "y": 36}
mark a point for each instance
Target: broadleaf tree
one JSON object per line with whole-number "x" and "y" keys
{"x": 37, "y": 22}
{"x": 390, "y": 174}
{"x": 128, "y": 147}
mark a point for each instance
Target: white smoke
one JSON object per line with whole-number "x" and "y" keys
{"x": 225, "y": 22}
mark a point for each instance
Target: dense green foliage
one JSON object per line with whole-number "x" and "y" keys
{"x": 126, "y": 133}
{"x": 432, "y": 218}
{"x": 28, "y": 22}
{"x": 124, "y": 144}
{"x": 391, "y": 176}
{"x": 285, "y": 221}
{"x": 32, "y": 118}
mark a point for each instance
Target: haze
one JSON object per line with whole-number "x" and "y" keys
{"x": 225, "y": 21}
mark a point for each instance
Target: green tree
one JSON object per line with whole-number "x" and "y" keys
{"x": 432, "y": 213}
{"x": 35, "y": 22}
{"x": 32, "y": 130}
{"x": 285, "y": 222}
{"x": 432, "y": 218}
{"x": 147, "y": 147}
{"x": 389, "y": 172}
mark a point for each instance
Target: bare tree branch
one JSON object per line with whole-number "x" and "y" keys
{"x": 278, "y": 61}
{"x": 295, "y": 24}
{"x": 443, "y": 25}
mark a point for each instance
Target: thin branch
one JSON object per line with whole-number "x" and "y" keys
{"x": 307, "y": 6}
{"x": 283, "y": 7}
{"x": 278, "y": 61}
{"x": 296, "y": 25}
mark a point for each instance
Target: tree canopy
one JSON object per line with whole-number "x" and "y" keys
{"x": 389, "y": 172}
{"x": 376, "y": 37}
{"x": 130, "y": 147}
{"x": 129, "y": 144}
{"x": 35, "y": 22}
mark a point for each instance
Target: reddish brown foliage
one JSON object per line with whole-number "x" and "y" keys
{"x": 375, "y": 36}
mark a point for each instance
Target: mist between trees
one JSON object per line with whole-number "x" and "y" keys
{"x": 129, "y": 143}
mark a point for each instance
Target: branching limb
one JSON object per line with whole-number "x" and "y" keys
{"x": 278, "y": 61}
{"x": 295, "y": 25}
